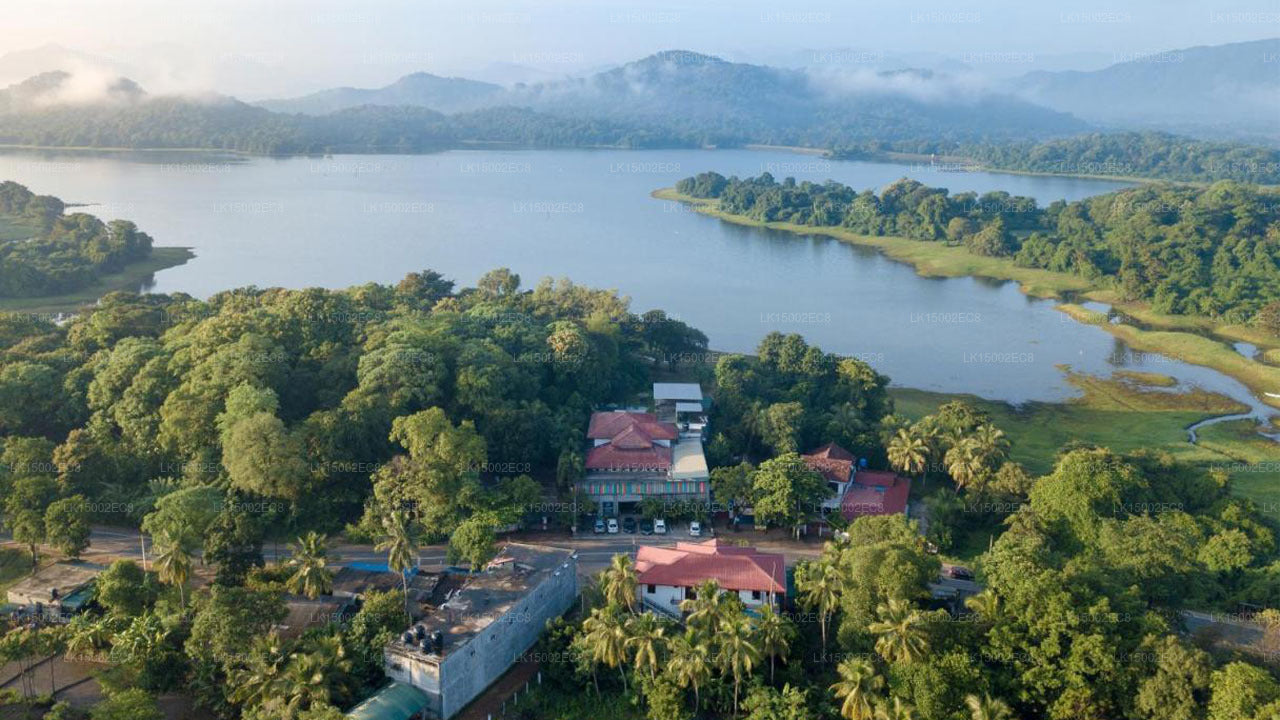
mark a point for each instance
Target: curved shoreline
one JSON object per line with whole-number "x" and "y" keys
{"x": 1170, "y": 336}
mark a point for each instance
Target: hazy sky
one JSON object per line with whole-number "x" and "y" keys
{"x": 256, "y": 47}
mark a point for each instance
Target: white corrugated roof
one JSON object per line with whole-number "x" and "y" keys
{"x": 688, "y": 462}
{"x": 677, "y": 391}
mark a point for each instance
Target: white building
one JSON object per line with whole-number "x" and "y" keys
{"x": 667, "y": 576}
{"x": 484, "y": 627}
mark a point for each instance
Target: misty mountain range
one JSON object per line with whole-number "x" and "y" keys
{"x": 670, "y": 99}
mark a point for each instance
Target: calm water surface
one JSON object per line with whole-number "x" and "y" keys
{"x": 587, "y": 215}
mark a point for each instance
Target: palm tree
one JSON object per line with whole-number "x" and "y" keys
{"x": 309, "y": 678}
{"x": 605, "y": 634}
{"x": 310, "y": 557}
{"x": 690, "y": 663}
{"x": 708, "y": 608}
{"x": 992, "y": 443}
{"x": 259, "y": 679}
{"x": 898, "y": 710}
{"x": 985, "y": 605}
{"x": 173, "y": 564}
{"x": 858, "y": 685}
{"x": 620, "y": 582}
{"x": 738, "y": 651}
{"x": 647, "y": 641}
{"x": 908, "y": 452}
{"x": 987, "y": 708}
{"x": 400, "y": 546}
{"x": 965, "y": 463}
{"x": 87, "y": 637}
{"x": 775, "y": 636}
{"x": 901, "y": 632}
{"x": 818, "y": 583}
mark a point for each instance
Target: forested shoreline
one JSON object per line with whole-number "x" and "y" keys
{"x": 44, "y": 252}
{"x": 1151, "y": 155}
{"x": 1211, "y": 251}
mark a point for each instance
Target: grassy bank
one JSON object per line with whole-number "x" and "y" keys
{"x": 1127, "y": 413}
{"x": 1188, "y": 347}
{"x": 1180, "y": 337}
{"x": 128, "y": 279}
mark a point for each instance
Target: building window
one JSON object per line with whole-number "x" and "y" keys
{"x": 652, "y": 589}
{"x": 755, "y": 594}
{"x": 690, "y": 593}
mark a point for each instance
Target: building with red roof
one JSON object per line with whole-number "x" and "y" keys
{"x": 875, "y": 492}
{"x": 835, "y": 465}
{"x": 669, "y": 575}
{"x": 634, "y": 455}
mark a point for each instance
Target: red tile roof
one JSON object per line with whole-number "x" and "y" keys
{"x": 833, "y": 462}
{"x": 883, "y": 478}
{"x": 633, "y": 442}
{"x": 832, "y": 451}
{"x": 734, "y": 568}
{"x": 611, "y": 458}
{"x": 874, "y": 492}
{"x": 606, "y": 425}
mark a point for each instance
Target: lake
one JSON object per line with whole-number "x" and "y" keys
{"x": 587, "y": 215}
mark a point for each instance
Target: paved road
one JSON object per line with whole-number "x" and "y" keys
{"x": 594, "y": 551}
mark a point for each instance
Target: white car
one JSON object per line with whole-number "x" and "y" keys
{"x": 613, "y": 526}
{"x": 659, "y": 527}
{"x": 695, "y": 529}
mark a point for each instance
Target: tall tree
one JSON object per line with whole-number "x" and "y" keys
{"x": 620, "y": 582}
{"x": 309, "y": 558}
{"x": 605, "y": 636}
{"x": 776, "y": 633}
{"x": 690, "y": 663}
{"x": 400, "y": 545}
{"x": 858, "y": 687}
{"x": 739, "y": 652}
{"x": 818, "y": 584}
{"x": 900, "y": 633}
{"x": 173, "y": 564}
{"x": 647, "y": 639}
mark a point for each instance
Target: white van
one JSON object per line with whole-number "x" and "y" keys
{"x": 695, "y": 529}
{"x": 613, "y": 526}
{"x": 659, "y": 527}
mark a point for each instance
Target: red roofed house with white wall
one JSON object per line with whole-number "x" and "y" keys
{"x": 669, "y": 575}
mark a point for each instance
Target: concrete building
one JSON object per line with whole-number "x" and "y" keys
{"x": 458, "y": 650}
{"x": 56, "y": 592}
{"x": 667, "y": 576}
{"x": 682, "y": 404}
{"x": 637, "y": 455}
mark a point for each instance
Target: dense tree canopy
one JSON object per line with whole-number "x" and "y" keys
{"x": 43, "y": 252}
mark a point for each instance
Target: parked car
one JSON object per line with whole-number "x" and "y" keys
{"x": 612, "y": 526}
{"x": 659, "y": 527}
{"x": 599, "y": 528}
{"x": 629, "y": 525}
{"x": 695, "y": 529}
{"x": 646, "y": 527}
{"x": 959, "y": 573}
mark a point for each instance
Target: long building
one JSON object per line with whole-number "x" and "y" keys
{"x": 636, "y": 455}
{"x": 459, "y": 649}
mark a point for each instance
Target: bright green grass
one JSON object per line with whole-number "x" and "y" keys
{"x": 128, "y": 279}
